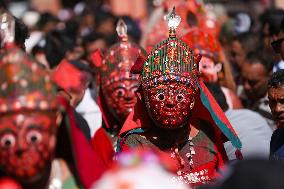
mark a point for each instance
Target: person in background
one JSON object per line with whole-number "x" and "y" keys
{"x": 278, "y": 47}
{"x": 252, "y": 129}
{"x": 94, "y": 41}
{"x": 133, "y": 29}
{"x": 72, "y": 79}
{"x": 271, "y": 21}
{"x": 47, "y": 22}
{"x": 276, "y": 103}
{"x": 105, "y": 24}
{"x": 270, "y": 26}
{"x": 213, "y": 66}
{"x": 252, "y": 174}
{"x": 256, "y": 71}
{"x": 240, "y": 47}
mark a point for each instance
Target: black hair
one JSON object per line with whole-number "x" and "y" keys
{"x": 57, "y": 44}
{"x": 276, "y": 80}
{"x": 46, "y": 18}
{"x": 81, "y": 66}
{"x": 273, "y": 18}
{"x": 21, "y": 33}
{"x": 3, "y": 4}
{"x": 93, "y": 36}
{"x": 227, "y": 32}
{"x": 259, "y": 58}
{"x": 191, "y": 19}
{"x": 72, "y": 28}
{"x": 248, "y": 40}
{"x": 282, "y": 25}
{"x": 252, "y": 174}
{"x": 133, "y": 28}
{"x": 218, "y": 94}
{"x": 102, "y": 15}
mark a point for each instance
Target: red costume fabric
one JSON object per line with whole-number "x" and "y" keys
{"x": 90, "y": 157}
{"x": 88, "y": 161}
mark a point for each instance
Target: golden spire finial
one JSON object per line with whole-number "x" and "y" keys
{"x": 173, "y": 21}
{"x": 7, "y": 28}
{"x": 121, "y": 29}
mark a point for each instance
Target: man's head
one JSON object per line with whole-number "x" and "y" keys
{"x": 276, "y": 96}
{"x": 255, "y": 74}
{"x": 278, "y": 45}
{"x": 270, "y": 20}
{"x": 241, "y": 46}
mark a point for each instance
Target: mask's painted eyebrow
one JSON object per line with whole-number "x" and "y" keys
{"x": 119, "y": 87}
{"x": 35, "y": 126}
{"x": 7, "y": 130}
{"x": 160, "y": 90}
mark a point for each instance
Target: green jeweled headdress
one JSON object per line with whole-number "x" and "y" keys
{"x": 171, "y": 59}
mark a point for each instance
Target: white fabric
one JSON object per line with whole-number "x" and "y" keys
{"x": 253, "y": 131}
{"x": 34, "y": 38}
{"x": 278, "y": 66}
{"x": 228, "y": 97}
{"x": 149, "y": 176}
{"x": 90, "y": 111}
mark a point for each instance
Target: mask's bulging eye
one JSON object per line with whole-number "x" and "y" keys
{"x": 119, "y": 92}
{"x": 179, "y": 97}
{"x": 160, "y": 97}
{"x": 34, "y": 137}
{"x": 8, "y": 141}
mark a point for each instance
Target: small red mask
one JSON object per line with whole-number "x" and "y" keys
{"x": 170, "y": 104}
{"x": 209, "y": 70}
{"x": 118, "y": 85}
{"x": 27, "y": 142}
{"x": 120, "y": 97}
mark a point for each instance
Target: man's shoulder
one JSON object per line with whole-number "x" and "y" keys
{"x": 244, "y": 113}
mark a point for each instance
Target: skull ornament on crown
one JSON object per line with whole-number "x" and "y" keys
{"x": 170, "y": 79}
{"x": 118, "y": 85}
{"x": 27, "y": 111}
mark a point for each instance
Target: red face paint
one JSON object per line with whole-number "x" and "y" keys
{"x": 169, "y": 104}
{"x": 120, "y": 97}
{"x": 27, "y": 142}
